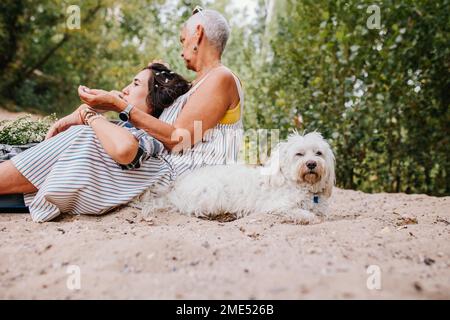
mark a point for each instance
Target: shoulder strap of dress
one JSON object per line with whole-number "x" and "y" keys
{"x": 240, "y": 92}
{"x": 195, "y": 87}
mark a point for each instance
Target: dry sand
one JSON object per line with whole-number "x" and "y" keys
{"x": 8, "y": 115}
{"x": 122, "y": 256}
{"x": 257, "y": 257}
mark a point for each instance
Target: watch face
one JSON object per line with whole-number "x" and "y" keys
{"x": 123, "y": 116}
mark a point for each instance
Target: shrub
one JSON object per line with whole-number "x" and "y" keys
{"x": 25, "y": 130}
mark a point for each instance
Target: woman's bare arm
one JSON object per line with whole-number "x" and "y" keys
{"x": 117, "y": 141}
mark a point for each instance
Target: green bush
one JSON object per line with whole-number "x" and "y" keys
{"x": 25, "y": 130}
{"x": 380, "y": 96}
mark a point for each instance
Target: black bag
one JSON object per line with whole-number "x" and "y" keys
{"x": 12, "y": 203}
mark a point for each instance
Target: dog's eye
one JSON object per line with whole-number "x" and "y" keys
{"x": 299, "y": 154}
{"x": 318, "y": 153}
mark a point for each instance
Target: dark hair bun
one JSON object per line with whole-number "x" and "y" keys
{"x": 164, "y": 87}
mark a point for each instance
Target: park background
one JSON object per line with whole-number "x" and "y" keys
{"x": 380, "y": 96}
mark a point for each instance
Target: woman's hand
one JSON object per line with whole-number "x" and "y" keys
{"x": 65, "y": 123}
{"x": 101, "y": 100}
{"x": 117, "y": 93}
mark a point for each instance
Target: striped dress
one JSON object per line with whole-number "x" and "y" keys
{"x": 74, "y": 174}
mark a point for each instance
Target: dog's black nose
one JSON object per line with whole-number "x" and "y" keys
{"x": 311, "y": 164}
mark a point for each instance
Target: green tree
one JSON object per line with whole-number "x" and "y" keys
{"x": 379, "y": 96}
{"x": 43, "y": 62}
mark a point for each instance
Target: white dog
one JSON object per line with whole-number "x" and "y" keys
{"x": 295, "y": 183}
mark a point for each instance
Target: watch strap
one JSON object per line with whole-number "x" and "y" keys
{"x": 127, "y": 111}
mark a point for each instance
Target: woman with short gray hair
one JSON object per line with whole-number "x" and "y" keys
{"x": 215, "y": 27}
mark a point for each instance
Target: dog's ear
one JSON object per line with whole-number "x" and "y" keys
{"x": 272, "y": 168}
{"x": 330, "y": 176}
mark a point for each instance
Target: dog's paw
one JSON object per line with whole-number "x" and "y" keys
{"x": 156, "y": 206}
{"x": 303, "y": 217}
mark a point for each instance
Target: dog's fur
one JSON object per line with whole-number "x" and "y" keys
{"x": 284, "y": 185}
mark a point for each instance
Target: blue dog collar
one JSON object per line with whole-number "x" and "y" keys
{"x": 316, "y": 198}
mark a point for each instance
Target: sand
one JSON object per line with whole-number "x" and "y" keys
{"x": 8, "y": 115}
{"x": 122, "y": 256}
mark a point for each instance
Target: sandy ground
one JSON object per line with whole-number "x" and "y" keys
{"x": 7, "y": 115}
{"x": 120, "y": 255}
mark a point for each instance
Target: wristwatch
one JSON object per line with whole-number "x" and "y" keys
{"x": 125, "y": 114}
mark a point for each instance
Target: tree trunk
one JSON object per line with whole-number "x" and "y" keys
{"x": 11, "y": 11}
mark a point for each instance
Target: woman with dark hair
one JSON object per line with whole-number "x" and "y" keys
{"x": 85, "y": 164}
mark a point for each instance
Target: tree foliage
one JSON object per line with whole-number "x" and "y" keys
{"x": 43, "y": 61}
{"x": 380, "y": 96}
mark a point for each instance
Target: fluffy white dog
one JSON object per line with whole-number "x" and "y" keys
{"x": 295, "y": 183}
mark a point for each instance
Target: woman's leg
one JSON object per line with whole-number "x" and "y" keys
{"x": 26, "y": 172}
{"x": 12, "y": 181}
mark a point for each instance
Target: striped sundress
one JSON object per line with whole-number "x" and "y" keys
{"x": 74, "y": 174}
